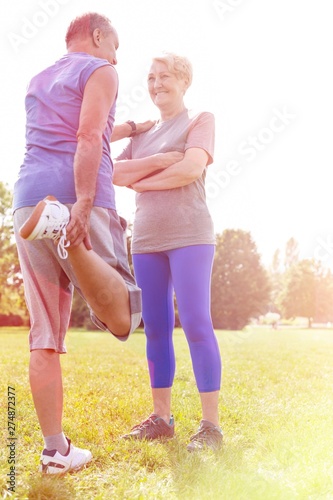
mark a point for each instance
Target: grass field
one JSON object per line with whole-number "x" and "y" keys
{"x": 276, "y": 413}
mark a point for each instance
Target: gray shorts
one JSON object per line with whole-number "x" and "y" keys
{"x": 49, "y": 280}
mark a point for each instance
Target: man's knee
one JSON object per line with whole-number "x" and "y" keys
{"x": 121, "y": 327}
{"x": 40, "y": 360}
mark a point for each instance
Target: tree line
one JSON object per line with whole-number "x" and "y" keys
{"x": 242, "y": 288}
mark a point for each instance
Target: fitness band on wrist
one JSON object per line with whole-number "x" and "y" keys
{"x": 133, "y": 127}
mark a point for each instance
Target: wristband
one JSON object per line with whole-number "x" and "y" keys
{"x": 133, "y": 127}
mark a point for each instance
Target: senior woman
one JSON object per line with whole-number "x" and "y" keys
{"x": 173, "y": 247}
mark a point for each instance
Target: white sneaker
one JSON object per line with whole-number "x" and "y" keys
{"x": 52, "y": 462}
{"x": 48, "y": 220}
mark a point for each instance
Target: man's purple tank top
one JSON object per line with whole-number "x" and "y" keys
{"x": 53, "y": 104}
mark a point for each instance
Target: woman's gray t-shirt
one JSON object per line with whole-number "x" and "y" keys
{"x": 179, "y": 217}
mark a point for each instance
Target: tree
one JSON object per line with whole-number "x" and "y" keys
{"x": 291, "y": 253}
{"x": 275, "y": 277}
{"x": 240, "y": 286}
{"x": 307, "y": 292}
{"x": 11, "y": 289}
{"x": 324, "y": 297}
{"x": 80, "y": 314}
{"x": 278, "y": 269}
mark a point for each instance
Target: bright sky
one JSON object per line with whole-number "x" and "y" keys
{"x": 263, "y": 67}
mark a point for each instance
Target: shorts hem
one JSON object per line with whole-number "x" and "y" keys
{"x": 59, "y": 350}
{"x": 135, "y": 322}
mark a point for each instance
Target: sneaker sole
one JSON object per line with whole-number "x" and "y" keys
{"x": 82, "y": 466}
{"x": 30, "y": 228}
{"x": 78, "y": 468}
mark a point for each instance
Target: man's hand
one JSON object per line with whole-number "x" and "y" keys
{"x": 77, "y": 230}
{"x": 144, "y": 126}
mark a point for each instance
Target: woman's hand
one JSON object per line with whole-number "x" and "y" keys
{"x": 164, "y": 160}
{"x": 178, "y": 174}
{"x": 127, "y": 172}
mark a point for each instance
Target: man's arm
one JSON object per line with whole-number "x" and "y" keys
{"x": 189, "y": 169}
{"x": 99, "y": 95}
{"x": 124, "y": 130}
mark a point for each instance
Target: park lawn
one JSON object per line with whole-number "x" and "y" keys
{"x": 276, "y": 413}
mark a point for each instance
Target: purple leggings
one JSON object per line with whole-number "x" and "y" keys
{"x": 187, "y": 271}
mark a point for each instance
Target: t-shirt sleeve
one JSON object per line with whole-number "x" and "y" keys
{"x": 202, "y": 135}
{"x": 89, "y": 69}
{"x": 126, "y": 153}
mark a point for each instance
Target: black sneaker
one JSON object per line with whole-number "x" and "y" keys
{"x": 152, "y": 428}
{"x": 208, "y": 436}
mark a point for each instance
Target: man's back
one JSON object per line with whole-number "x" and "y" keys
{"x": 53, "y": 106}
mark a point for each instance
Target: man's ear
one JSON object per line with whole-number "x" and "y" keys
{"x": 97, "y": 36}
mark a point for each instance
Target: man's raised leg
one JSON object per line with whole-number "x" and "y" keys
{"x": 103, "y": 288}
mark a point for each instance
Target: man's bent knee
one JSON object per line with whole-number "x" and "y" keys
{"x": 120, "y": 328}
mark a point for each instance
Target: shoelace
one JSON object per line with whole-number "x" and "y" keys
{"x": 203, "y": 432}
{"x": 149, "y": 428}
{"x": 144, "y": 424}
{"x": 63, "y": 244}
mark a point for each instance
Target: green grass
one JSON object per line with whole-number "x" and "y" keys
{"x": 276, "y": 412}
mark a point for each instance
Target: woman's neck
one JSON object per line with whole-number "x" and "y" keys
{"x": 169, "y": 113}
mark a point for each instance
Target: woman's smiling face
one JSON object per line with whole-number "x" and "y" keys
{"x": 166, "y": 88}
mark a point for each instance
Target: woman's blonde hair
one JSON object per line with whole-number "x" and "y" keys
{"x": 178, "y": 65}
